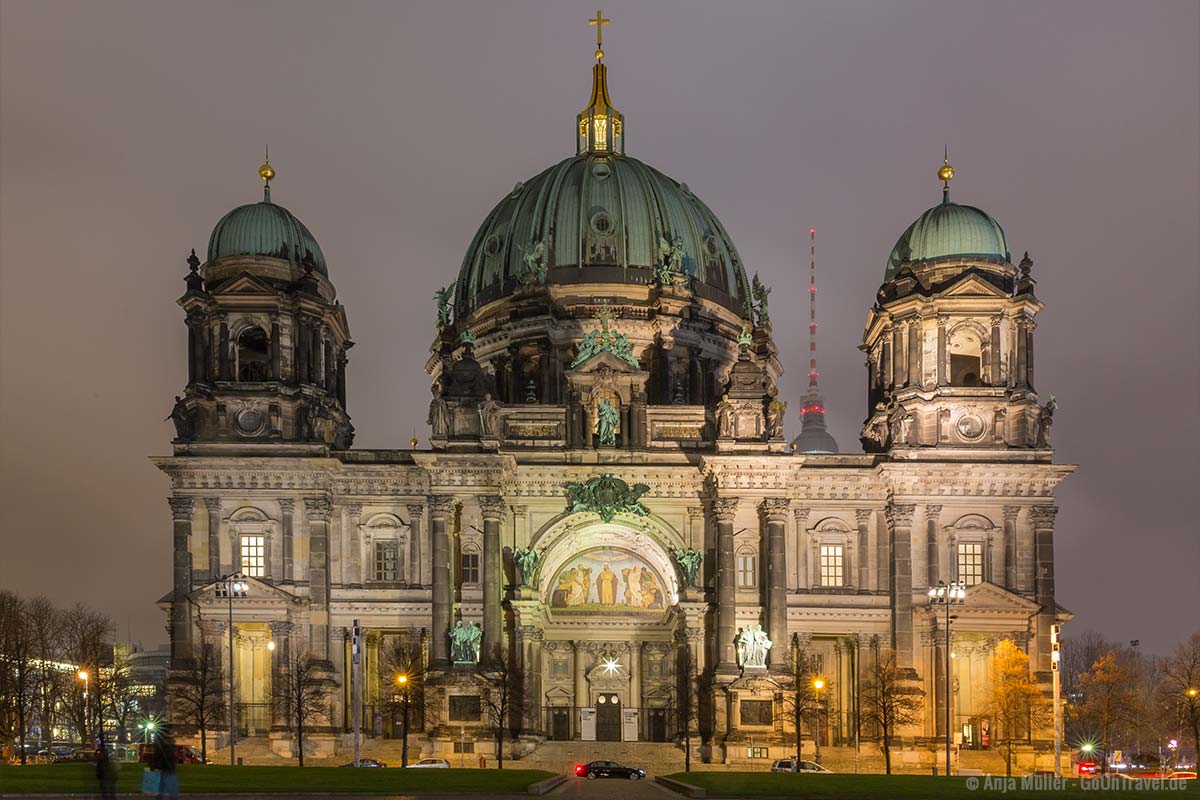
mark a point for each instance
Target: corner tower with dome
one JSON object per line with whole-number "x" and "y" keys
{"x": 607, "y": 504}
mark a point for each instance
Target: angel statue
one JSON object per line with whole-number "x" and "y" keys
{"x": 444, "y": 306}
{"x": 526, "y": 559}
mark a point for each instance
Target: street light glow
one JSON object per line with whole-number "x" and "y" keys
{"x": 402, "y": 679}
{"x": 818, "y": 684}
{"x": 271, "y": 645}
{"x": 83, "y": 676}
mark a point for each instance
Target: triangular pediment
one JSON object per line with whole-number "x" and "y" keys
{"x": 258, "y": 592}
{"x": 990, "y": 597}
{"x": 972, "y": 284}
{"x": 606, "y": 360}
{"x": 246, "y": 284}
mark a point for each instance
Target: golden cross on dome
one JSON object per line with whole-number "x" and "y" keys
{"x": 599, "y": 22}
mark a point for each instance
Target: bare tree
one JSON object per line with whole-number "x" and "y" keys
{"x": 197, "y": 690}
{"x": 800, "y": 698}
{"x": 52, "y": 682}
{"x": 1108, "y": 699}
{"x": 299, "y": 693}
{"x": 1180, "y": 686}
{"x": 16, "y": 668}
{"x": 889, "y": 701}
{"x": 683, "y": 703}
{"x": 503, "y": 678}
{"x": 87, "y": 644}
{"x": 1014, "y": 700}
{"x": 406, "y": 657}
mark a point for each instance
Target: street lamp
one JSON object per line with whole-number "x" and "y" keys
{"x": 818, "y": 685}
{"x": 232, "y": 586}
{"x": 148, "y": 728}
{"x": 948, "y": 594}
{"x": 402, "y": 683}
{"x": 87, "y": 722}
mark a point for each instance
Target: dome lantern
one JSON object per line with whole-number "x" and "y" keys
{"x": 600, "y": 128}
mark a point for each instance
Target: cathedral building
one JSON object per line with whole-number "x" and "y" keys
{"x": 608, "y": 504}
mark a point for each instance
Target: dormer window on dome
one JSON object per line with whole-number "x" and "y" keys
{"x": 600, "y": 127}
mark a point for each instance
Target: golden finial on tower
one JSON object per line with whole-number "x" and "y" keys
{"x": 945, "y": 175}
{"x": 267, "y": 173}
{"x": 599, "y": 22}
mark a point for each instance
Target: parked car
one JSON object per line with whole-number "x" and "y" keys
{"x": 81, "y": 755}
{"x": 368, "y": 763}
{"x": 789, "y": 765}
{"x": 608, "y": 769}
{"x": 184, "y": 754}
{"x": 431, "y": 763}
{"x": 1188, "y": 775}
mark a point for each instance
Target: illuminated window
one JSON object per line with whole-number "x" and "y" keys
{"x": 387, "y": 557}
{"x": 747, "y": 571}
{"x": 758, "y": 752}
{"x": 600, "y": 132}
{"x": 832, "y": 562}
{"x": 970, "y": 563}
{"x": 253, "y": 556}
{"x": 470, "y": 568}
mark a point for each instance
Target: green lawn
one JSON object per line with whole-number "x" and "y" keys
{"x": 874, "y": 787}
{"x": 72, "y": 778}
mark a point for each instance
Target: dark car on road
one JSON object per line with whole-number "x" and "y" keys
{"x": 608, "y": 769}
{"x": 369, "y": 763}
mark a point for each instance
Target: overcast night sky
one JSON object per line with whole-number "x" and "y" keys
{"x": 128, "y": 129}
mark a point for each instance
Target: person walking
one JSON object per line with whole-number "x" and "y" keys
{"x": 165, "y": 761}
{"x": 106, "y": 772}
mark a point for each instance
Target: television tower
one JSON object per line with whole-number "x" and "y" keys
{"x": 813, "y": 437}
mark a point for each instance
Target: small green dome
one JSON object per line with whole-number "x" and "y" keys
{"x": 264, "y": 229}
{"x": 600, "y": 218}
{"x": 949, "y": 230}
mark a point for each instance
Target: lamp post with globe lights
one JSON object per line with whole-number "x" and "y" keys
{"x": 818, "y": 685}
{"x": 402, "y": 685}
{"x": 232, "y": 586}
{"x": 948, "y": 594}
{"x": 87, "y": 716}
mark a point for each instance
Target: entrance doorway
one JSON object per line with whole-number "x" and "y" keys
{"x": 608, "y": 717}
{"x": 657, "y": 724}
{"x": 560, "y": 724}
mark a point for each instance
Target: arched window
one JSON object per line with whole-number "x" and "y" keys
{"x": 966, "y": 356}
{"x": 253, "y": 355}
{"x": 971, "y": 548}
{"x": 831, "y": 565}
{"x": 386, "y": 540}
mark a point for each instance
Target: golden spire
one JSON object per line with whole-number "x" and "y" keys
{"x": 945, "y": 175}
{"x": 267, "y": 173}
{"x": 599, "y": 22}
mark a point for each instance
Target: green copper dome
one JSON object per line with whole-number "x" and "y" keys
{"x": 599, "y": 218}
{"x": 949, "y": 230}
{"x": 264, "y": 229}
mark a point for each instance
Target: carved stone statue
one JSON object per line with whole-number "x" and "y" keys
{"x": 689, "y": 561}
{"x": 725, "y": 418}
{"x": 444, "y": 306}
{"x": 606, "y": 423}
{"x": 752, "y": 648}
{"x": 1046, "y": 422}
{"x": 526, "y": 559}
{"x": 776, "y": 410}
{"x": 465, "y": 641}
{"x": 489, "y": 410}
{"x": 439, "y": 420}
{"x": 343, "y": 435}
{"x": 534, "y": 265}
{"x": 184, "y": 418}
{"x": 670, "y": 267}
{"x": 760, "y": 291}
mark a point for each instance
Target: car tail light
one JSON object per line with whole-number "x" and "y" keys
{"x": 579, "y": 769}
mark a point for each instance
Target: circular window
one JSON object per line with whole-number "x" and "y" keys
{"x": 970, "y": 427}
{"x": 601, "y": 170}
{"x": 601, "y": 699}
{"x": 250, "y": 421}
{"x": 491, "y": 245}
{"x": 601, "y": 224}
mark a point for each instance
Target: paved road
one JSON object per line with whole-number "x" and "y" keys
{"x": 612, "y": 787}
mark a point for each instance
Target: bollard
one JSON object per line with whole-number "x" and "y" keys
{"x": 482, "y": 762}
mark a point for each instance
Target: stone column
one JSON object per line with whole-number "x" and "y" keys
{"x": 635, "y": 674}
{"x": 581, "y": 693}
{"x": 899, "y": 363}
{"x": 354, "y": 575}
{"x": 181, "y": 621}
{"x": 281, "y": 632}
{"x": 317, "y": 511}
{"x": 1021, "y": 322}
{"x": 532, "y": 642}
{"x": 774, "y": 514}
{"x": 942, "y": 376}
{"x": 1010, "y": 547}
{"x": 883, "y": 562}
{"x": 492, "y": 508}
{"x": 899, "y": 519}
{"x": 862, "y": 516}
{"x": 933, "y": 569}
{"x": 802, "y": 547}
{"x": 212, "y": 505}
{"x": 724, "y": 509}
{"x": 1042, "y": 518}
{"x": 286, "y": 508}
{"x": 995, "y": 347}
{"x": 1030, "y": 327}
{"x": 416, "y": 514}
{"x": 276, "y": 355}
{"x": 224, "y": 370}
{"x": 915, "y": 377}
{"x": 440, "y": 507}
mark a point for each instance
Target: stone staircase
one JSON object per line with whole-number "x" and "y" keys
{"x": 657, "y": 758}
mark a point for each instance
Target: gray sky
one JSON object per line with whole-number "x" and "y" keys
{"x": 128, "y": 129}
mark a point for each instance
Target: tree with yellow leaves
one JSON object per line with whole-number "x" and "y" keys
{"x": 1014, "y": 700}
